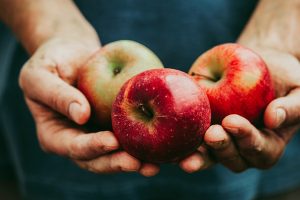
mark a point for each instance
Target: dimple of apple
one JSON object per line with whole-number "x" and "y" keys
{"x": 160, "y": 115}
{"x": 108, "y": 69}
{"x": 236, "y": 81}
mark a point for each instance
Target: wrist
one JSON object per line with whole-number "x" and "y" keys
{"x": 41, "y": 34}
{"x": 36, "y": 22}
{"x": 273, "y": 26}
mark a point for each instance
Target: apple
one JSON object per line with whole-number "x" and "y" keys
{"x": 236, "y": 81}
{"x": 101, "y": 78}
{"x": 160, "y": 115}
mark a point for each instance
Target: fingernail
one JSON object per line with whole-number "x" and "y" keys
{"x": 195, "y": 165}
{"x": 232, "y": 124}
{"x": 280, "y": 116}
{"x": 233, "y": 130}
{"x": 74, "y": 111}
{"x": 218, "y": 144}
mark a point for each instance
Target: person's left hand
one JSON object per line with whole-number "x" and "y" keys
{"x": 239, "y": 145}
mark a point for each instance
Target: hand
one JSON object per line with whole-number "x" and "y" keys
{"x": 237, "y": 144}
{"x": 58, "y": 108}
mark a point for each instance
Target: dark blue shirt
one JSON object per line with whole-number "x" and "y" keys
{"x": 178, "y": 32}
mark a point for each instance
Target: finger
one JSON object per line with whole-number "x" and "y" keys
{"x": 261, "y": 150}
{"x": 223, "y": 148}
{"x": 47, "y": 88}
{"x": 87, "y": 146}
{"x": 111, "y": 163}
{"x": 149, "y": 170}
{"x": 199, "y": 160}
{"x": 283, "y": 111}
{"x": 74, "y": 144}
{"x": 59, "y": 136}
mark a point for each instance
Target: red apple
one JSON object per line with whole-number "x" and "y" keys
{"x": 160, "y": 115}
{"x": 236, "y": 81}
{"x": 104, "y": 74}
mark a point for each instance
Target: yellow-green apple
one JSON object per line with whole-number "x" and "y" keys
{"x": 101, "y": 78}
{"x": 236, "y": 81}
{"x": 160, "y": 115}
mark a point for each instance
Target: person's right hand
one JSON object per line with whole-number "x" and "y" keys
{"x": 58, "y": 108}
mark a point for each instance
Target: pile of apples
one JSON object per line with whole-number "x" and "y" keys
{"x": 161, "y": 115}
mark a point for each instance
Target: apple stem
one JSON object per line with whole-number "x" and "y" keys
{"x": 204, "y": 76}
{"x": 146, "y": 110}
{"x": 117, "y": 70}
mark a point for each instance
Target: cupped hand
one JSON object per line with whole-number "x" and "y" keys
{"x": 239, "y": 145}
{"x": 59, "y": 109}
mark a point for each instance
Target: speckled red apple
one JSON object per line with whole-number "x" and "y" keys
{"x": 104, "y": 74}
{"x": 160, "y": 115}
{"x": 236, "y": 81}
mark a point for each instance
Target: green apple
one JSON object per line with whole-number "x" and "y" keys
{"x": 101, "y": 78}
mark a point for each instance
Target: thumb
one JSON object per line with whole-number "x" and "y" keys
{"x": 47, "y": 88}
{"x": 283, "y": 111}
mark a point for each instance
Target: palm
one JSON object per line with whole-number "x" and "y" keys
{"x": 237, "y": 144}
{"x": 59, "y": 109}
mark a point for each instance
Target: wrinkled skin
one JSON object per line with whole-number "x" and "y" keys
{"x": 236, "y": 143}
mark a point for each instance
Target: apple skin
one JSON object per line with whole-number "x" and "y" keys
{"x": 101, "y": 78}
{"x": 236, "y": 81}
{"x": 160, "y": 115}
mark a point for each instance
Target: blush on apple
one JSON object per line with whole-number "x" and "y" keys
{"x": 236, "y": 81}
{"x": 160, "y": 115}
{"x": 107, "y": 70}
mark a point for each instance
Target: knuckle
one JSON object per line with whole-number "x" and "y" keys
{"x": 81, "y": 148}
{"x": 92, "y": 167}
{"x": 98, "y": 166}
{"x": 252, "y": 150}
{"x": 257, "y": 149}
{"x": 26, "y": 70}
{"x": 122, "y": 162}
{"x": 67, "y": 73}
{"x": 114, "y": 164}
{"x": 75, "y": 150}
{"x": 96, "y": 142}
{"x": 55, "y": 99}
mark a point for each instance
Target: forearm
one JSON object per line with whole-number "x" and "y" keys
{"x": 36, "y": 21}
{"x": 274, "y": 24}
